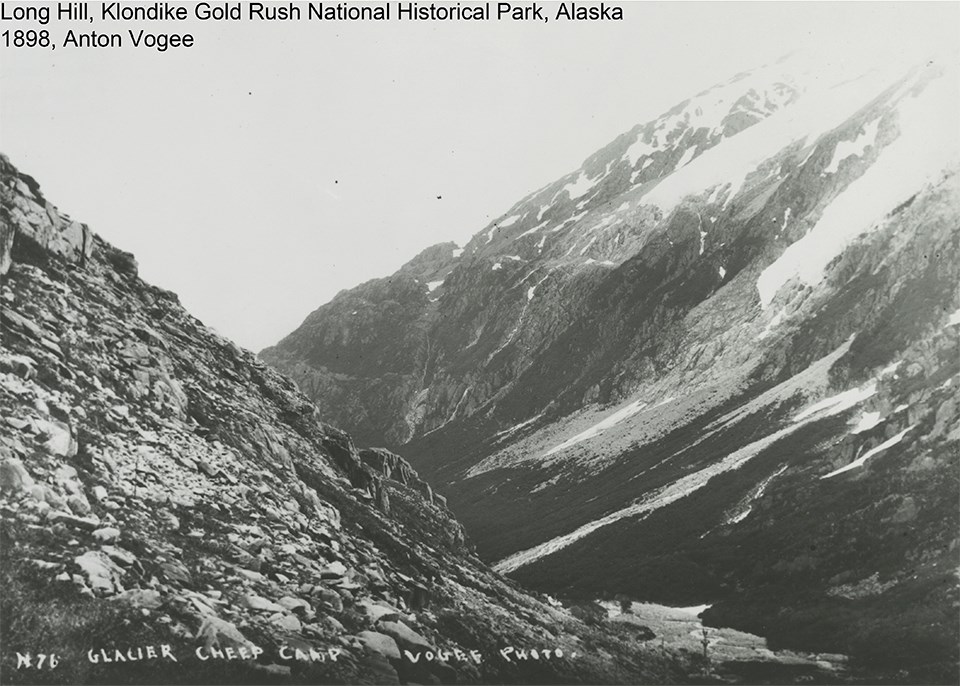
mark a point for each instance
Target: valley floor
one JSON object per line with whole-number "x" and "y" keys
{"x": 731, "y": 655}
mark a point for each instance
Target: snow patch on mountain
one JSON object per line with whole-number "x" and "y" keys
{"x": 715, "y": 194}
{"x": 533, "y": 289}
{"x": 747, "y": 507}
{"x": 687, "y": 156}
{"x": 534, "y": 229}
{"x": 836, "y": 404}
{"x": 502, "y": 224}
{"x": 890, "y": 369}
{"x": 434, "y": 285}
{"x": 735, "y": 158}
{"x": 771, "y": 325}
{"x": 813, "y": 375}
{"x": 866, "y": 421}
{"x": 456, "y": 410}
{"x": 516, "y": 427}
{"x": 646, "y": 163}
{"x": 893, "y": 440}
{"x": 585, "y": 248}
{"x": 928, "y": 143}
{"x": 572, "y": 220}
{"x": 660, "y": 498}
{"x": 854, "y": 148}
{"x": 638, "y": 149}
{"x": 580, "y": 186}
{"x": 604, "y": 424}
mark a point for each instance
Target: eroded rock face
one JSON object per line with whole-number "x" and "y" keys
{"x": 150, "y": 467}
{"x": 7, "y": 234}
{"x": 33, "y": 226}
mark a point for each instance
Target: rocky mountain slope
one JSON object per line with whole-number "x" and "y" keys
{"x": 175, "y": 511}
{"x": 718, "y": 362}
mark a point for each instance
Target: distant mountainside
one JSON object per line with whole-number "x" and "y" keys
{"x": 717, "y": 363}
{"x": 164, "y": 493}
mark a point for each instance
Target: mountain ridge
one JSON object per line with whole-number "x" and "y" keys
{"x": 641, "y": 339}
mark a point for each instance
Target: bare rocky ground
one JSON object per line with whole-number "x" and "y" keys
{"x": 164, "y": 494}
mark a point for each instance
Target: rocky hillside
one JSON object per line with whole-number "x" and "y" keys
{"x": 175, "y": 511}
{"x": 718, "y": 361}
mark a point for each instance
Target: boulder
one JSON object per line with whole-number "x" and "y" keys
{"x": 21, "y": 365}
{"x": 78, "y": 504}
{"x": 120, "y": 555}
{"x": 176, "y": 572}
{"x": 14, "y": 477}
{"x": 102, "y": 574}
{"x": 286, "y": 622}
{"x": 378, "y": 668}
{"x": 24, "y": 326}
{"x": 380, "y": 643}
{"x": 59, "y": 440}
{"x": 331, "y": 599}
{"x": 90, "y": 523}
{"x": 333, "y": 570}
{"x": 219, "y": 633}
{"x": 294, "y": 604}
{"x": 406, "y": 638}
{"x": 107, "y": 534}
{"x": 376, "y": 612}
{"x": 255, "y": 602}
{"x": 141, "y": 598}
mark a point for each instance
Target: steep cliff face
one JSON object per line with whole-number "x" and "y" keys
{"x": 371, "y": 345}
{"x": 718, "y": 360}
{"x": 162, "y": 487}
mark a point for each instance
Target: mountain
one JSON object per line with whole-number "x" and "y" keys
{"x": 175, "y": 511}
{"x": 716, "y": 364}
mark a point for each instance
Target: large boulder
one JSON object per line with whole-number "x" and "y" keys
{"x": 14, "y": 477}
{"x": 380, "y": 643}
{"x": 102, "y": 574}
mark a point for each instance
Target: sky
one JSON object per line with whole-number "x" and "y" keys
{"x": 271, "y": 165}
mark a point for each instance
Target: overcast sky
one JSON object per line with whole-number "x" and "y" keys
{"x": 272, "y": 165}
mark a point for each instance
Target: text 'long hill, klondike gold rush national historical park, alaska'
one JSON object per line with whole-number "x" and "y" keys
{"x": 314, "y": 11}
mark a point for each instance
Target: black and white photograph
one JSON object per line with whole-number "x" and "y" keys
{"x": 465, "y": 342}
